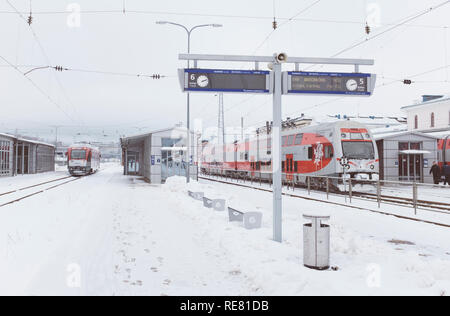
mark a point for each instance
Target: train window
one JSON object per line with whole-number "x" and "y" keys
{"x": 283, "y": 166}
{"x": 298, "y": 139}
{"x": 310, "y": 153}
{"x": 295, "y": 166}
{"x": 291, "y": 140}
{"x": 246, "y": 156}
{"x": 78, "y": 154}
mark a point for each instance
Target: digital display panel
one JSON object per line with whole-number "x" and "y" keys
{"x": 329, "y": 83}
{"x": 244, "y": 81}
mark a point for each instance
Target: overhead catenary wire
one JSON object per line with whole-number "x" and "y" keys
{"x": 284, "y": 23}
{"x": 403, "y": 22}
{"x": 228, "y": 16}
{"x": 47, "y": 59}
{"x": 38, "y": 88}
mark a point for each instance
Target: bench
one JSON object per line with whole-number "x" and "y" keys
{"x": 251, "y": 220}
{"x": 217, "y": 204}
{"x": 196, "y": 195}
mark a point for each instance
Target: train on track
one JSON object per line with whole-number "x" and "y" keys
{"x": 444, "y": 151}
{"x": 83, "y": 159}
{"x": 313, "y": 152}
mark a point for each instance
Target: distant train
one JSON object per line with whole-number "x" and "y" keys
{"x": 83, "y": 159}
{"x": 306, "y": 152}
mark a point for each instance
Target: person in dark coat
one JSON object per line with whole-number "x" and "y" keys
{"x": 436, "y": 171}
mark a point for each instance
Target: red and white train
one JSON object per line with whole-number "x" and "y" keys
{"x": 306, "y": 152}
{"x": 83, "y": 159}
{"x": 444, "y": 151}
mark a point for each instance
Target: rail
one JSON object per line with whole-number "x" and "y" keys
{"x": 417, "y": 196}
{"x": 72, "y": 179}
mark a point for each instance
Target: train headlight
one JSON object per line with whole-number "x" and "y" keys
{"x": 372, "y": 167}
{"x": 343, "y": 135}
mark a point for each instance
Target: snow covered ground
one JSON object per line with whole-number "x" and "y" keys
{"x": 113, "y": 235}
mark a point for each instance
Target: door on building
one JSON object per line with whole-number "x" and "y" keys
{"x": 411, "y": 167}
{"x": 133, "y": 163}
{"x": 22, "y": 159}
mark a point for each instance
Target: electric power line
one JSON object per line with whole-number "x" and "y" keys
{"x": 41, "y": 47}
{"x": 38, "y": 88}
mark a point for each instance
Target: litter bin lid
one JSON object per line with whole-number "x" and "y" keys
{"x": 321, "y": 216}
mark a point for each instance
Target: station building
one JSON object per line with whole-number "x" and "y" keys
{"x": 406, "y": 156}
{"x": 158, "y": 155}
{"x": 430, "y": 114}
{"x": 20, "y": 156}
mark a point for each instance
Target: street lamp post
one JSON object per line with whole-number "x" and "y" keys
{"x": 189, "y": 32}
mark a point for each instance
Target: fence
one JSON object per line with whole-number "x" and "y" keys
{"x": 418, "y": 196}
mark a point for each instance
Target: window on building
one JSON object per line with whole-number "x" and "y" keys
{"x": 432, "y": 120}
{"x": 416, "y": 122}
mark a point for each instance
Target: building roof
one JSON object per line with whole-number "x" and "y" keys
{"x": 25, "y": 140}
{"x": 397, "y": 134}
{"x": 424, "y": 103}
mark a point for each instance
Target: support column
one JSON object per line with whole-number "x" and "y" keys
{"x": 276, "y": 155}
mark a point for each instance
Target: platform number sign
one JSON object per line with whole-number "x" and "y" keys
{"x": 227, "y": 81}
{"x": 325, "y": 83}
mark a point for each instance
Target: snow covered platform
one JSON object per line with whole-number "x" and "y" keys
{"x": 108, "y": 234}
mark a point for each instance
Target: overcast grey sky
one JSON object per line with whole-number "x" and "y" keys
{"x": 133, "y": 43}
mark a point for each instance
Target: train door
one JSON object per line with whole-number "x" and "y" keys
{"x": 289, "y": 167}
{"x": 318, "y": 155}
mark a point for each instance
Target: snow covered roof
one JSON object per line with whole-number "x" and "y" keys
{"x": 415, "y": 152}
{"x": 440, "y": 135}
{"x": 438, "y": 99}
{"x": 25, "y": 140}
{"x": 396, "y": 134}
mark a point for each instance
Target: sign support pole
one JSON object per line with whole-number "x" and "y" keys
{"x": 277, "y": 106}
{"x": 276, "y": 154}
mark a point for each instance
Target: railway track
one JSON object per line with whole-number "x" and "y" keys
{"x": 387, "y": 199}
{"x": 432, "y": 206}
{"x": 72, "y": 179}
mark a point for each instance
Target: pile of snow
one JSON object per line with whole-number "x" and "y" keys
{"x": 367, "y": 263}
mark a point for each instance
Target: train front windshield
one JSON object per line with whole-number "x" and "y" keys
{"x": 358, "y": 150}
{"x": 78, "y": 154}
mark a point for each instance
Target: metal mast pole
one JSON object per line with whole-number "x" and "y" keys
{"x": 188, "y": 138}
{"x": 276, "y": 154}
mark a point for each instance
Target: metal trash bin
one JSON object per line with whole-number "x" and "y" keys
{"x": 219, "y": 205}
{"x": 235, "y": 215}
{"x": 208, "y": 203}
{"x": 253, "y": 220}
{"x": 316, "y": 243}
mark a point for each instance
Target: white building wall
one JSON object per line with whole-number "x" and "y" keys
{"x": 441, "y": 110}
